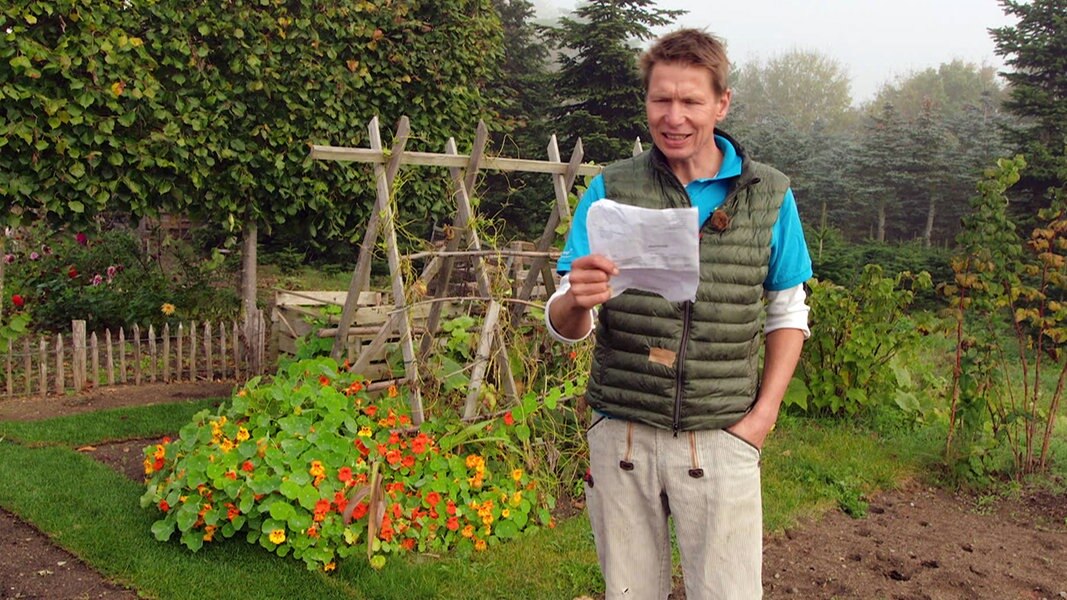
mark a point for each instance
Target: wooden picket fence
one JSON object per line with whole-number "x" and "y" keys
{"x": 189, "y": 352}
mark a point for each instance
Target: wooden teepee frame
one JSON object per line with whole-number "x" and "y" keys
{"x": 464, "y": 170}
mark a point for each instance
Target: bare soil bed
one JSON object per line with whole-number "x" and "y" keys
{"x": 917, "y": 543}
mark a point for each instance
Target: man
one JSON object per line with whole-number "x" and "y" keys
{"x": 680, "y": 409}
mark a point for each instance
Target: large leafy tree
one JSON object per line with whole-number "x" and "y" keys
{"x": 803, "y": 87}
{"x": 1035, "y": 50}
{"x": 949, "y": 89}
{"x": 79, "y": 106}
{"x": 598, "y": 84}
{"x": 251, "y": 84}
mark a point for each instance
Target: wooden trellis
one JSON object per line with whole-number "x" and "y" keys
{"x": 436, "y": 275}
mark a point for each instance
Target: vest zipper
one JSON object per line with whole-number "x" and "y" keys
{"x": 678, "y": 377}
{"x": 687, "y": 317}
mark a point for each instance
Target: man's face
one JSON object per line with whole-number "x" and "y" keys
{"x": 683, "y": 109}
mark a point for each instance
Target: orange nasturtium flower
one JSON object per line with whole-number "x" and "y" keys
{"x": 516, "y": 474}
{"x": 344, "y": 474}
{"x": 479, "y": 545}
{"x": 277, "y": 536}
{"x": 242, "y": 434}
{"x": 167, "y": 309}
{"x": 393, "y": 392}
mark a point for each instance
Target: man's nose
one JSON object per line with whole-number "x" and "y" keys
{"x": 675, "y": 114}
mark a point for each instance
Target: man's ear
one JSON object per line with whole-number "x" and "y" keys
{"x": 724, "y": 105}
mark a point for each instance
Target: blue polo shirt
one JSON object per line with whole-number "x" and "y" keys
{"x": 790, "y": 264}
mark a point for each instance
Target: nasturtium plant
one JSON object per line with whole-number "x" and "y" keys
{"x": 312, "y": 465}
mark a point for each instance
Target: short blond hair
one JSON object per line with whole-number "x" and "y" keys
{"x": 689, "y": 47}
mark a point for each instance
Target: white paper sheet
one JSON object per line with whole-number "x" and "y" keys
{"x": 656, "y": 250}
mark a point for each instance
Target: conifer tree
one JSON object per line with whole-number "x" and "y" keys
{"x": 1035, "y": 50}
{"x": 599, "y": 88}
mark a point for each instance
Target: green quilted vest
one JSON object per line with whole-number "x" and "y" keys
{"x": 641, "y": 338}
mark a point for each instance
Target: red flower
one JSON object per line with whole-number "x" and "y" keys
{"x": 158, "y": 464}
{"x": 247, "y": 466}
{"x": 509, "y": 419}
{"x": 392, "y": 456}
{"x": 340, "y": 501}
{"x": 433, "y": 498}
{"x": 363, "y": 449}
{"x": 231, "y": 475}
{"x": 72, "y": 272}
{"x": 450, "y": 508}
{"x": 324, "y": 380}
{"x": 371, "y": 410}
{"x": 359, "y": 511}
{"x": 18, "y": 301}
{"x": 452, "y": 524}
{"x": 321, "y": 508}
{"x": 408, "y": 460}
{"x": 419, "y": 444}
{"x": 163, "y": 506}
{"x": 386, "y": 532}
{"x": 82, "y": 239}
{"x": 398, "y": 511}
{"x": 345, "y": 474}
{"x": 408, "y": 544}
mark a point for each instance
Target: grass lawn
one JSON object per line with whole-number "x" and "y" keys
{"x": 809, "y": 466}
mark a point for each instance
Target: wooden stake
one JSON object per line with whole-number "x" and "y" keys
{"x": 222, "y": 350}
{"x": 110, "y": 358}
{"x": 361, "y": 274}
{"x": 548, "y": 236}
{"x": 61, "y": 379}
{"x": 151, "y": 353}
{"x": 192, "y": 351}
{"x": 78, "y": 354}
{"x": 166, "y": 352}
{"x": 42, "y": 366}
{"x": 207, "y": 351}
{"x": 136, "y": 354}
{"x": 94, "y": 351}
{"x": 28, "y": 366}
{"x": 122, "y": 355}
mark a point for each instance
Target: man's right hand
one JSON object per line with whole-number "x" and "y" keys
{"x": 590, "y": 284}
{"x": 590, "y": 279}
